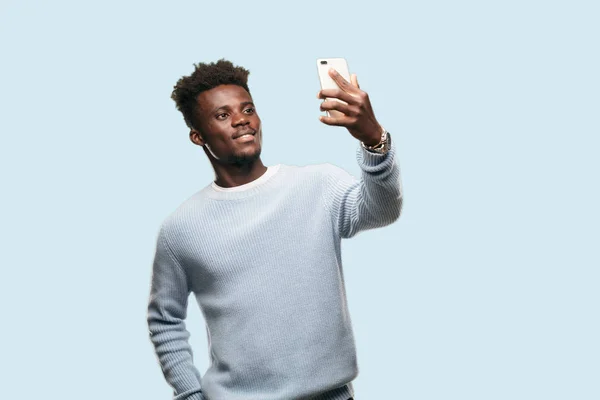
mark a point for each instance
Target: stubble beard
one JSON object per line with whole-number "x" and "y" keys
{"x": 244, "y": 160}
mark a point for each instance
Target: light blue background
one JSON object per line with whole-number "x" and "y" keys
{"x": 486, "y": 288}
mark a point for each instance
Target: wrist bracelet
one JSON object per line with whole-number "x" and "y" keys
{"x": 379, "y": 145}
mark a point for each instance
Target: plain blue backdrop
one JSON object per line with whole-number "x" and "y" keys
{"x": 486, "y": 288}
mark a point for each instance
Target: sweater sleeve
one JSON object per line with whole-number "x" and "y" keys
{"x": 374, "y": 200}
{"x": 167, "y": 311}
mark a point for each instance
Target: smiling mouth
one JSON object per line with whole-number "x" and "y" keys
{"x": 244, "y": 134}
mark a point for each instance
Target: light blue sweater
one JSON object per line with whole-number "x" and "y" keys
{"x": 264, "y": 263}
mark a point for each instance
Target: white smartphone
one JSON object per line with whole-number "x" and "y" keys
{"x": 323, "y": 66}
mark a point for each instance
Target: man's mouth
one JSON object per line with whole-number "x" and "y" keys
{"x": 245, "y": 133}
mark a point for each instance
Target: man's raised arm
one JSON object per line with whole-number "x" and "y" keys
{"x": 375, "y": 199}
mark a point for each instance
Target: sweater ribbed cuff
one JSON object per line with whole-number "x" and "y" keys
{"x": 341, "y": 393}
{"x": 193, "y": 394}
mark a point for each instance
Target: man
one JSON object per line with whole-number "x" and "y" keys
{"x": 260, "y": 248}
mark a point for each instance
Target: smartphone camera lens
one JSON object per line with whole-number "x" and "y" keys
{"x": 323, "y": 62}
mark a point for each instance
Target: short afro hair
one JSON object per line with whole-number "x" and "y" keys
{"x": 205, "y": 77}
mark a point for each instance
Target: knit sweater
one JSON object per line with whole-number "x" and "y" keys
{"x": 263, "y": 261}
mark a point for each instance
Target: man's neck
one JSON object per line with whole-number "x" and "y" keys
{"x": 232, "y": 175}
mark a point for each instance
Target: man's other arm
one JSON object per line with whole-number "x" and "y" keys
{"x": 167, "y": 311}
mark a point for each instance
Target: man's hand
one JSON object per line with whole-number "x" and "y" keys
{"x": 357, "y": 115}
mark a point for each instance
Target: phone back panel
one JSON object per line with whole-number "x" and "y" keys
{"x": 339, "y": 64}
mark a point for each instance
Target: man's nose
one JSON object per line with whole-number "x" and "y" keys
{"x": 240, "y": 119}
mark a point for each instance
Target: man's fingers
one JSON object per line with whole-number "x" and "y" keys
{"x": 354, "y": 81}
{"x": 339, "y": 79}
{"x": 334, "y": 121}
{"x": 338, "y": 94}
{"x": 328, "y": 105}
{"x": 340, "y": 114}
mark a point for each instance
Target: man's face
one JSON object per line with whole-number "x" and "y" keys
{"x": 225, "y": 113}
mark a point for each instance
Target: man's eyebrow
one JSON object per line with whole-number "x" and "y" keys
{"x": 219, "y": 108}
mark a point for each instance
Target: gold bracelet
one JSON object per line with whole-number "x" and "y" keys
{"x": 379, "y": 145}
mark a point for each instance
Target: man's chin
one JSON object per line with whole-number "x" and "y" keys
{"x": 241, "y": 160}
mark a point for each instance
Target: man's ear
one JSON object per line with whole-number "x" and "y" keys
{"x": 196, "y": 137}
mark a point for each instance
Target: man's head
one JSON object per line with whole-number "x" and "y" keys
{"x": 217, "y": 107}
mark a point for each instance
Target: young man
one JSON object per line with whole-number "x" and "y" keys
{"x": 260, "y": 248}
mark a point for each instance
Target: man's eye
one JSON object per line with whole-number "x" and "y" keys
{"x": 249, "y": 110}
{"x": 222, "y": 116}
